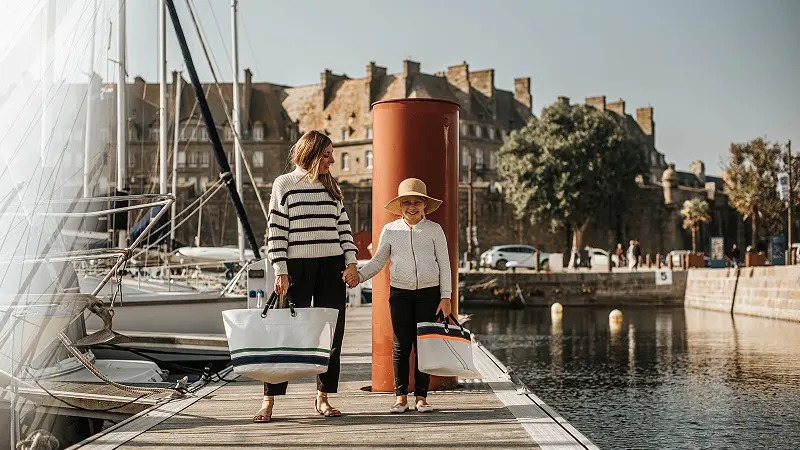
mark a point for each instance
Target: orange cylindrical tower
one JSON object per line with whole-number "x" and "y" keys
{"x": 412, "y": 138}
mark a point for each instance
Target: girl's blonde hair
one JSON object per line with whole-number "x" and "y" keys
{"x": 307, "y": 154}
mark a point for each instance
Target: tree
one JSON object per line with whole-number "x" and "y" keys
{"x": 751, "y": 178}
{"x": 570, "y": 165}
{"x": 694, "y": 213}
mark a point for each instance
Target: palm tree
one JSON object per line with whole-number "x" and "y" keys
{"x": 694, "y": 213}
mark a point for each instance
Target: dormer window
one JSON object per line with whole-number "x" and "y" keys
{"x": 345, "y": 134}
{"x": 229, "y": 134}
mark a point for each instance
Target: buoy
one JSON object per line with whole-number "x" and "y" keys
{"x": 615, "y": 316}
{"x": 556, "y": 309}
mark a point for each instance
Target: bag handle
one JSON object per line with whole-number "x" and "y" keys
{"x": 273, "y": 302}
{"x": 440, "y": 317}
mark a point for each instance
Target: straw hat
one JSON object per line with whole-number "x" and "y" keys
{"x": 413, "y": 187}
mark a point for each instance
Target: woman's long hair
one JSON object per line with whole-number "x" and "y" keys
{"x": 307, "y": 154}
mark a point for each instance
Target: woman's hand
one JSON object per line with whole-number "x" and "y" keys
{"x": 444, "y": 307}
{"x": 350, "y": 276}
{"x": 282, "y": 284}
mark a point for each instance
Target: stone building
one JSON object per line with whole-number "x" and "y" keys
{"x": 274, "y": 116}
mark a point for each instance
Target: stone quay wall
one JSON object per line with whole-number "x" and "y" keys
{"x": 569, "y": 289}
{"x": 772, "y": 292}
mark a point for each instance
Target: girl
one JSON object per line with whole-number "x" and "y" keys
{"x": 309, "y": 240}
{"x": 420, "y": 284}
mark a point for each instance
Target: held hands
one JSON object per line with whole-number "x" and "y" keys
{"x": 350, "y": 276}
{"x": 444, "y": 307}
{"x": 281, "y": 284}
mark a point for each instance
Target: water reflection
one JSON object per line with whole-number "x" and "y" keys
{"x": 662, "y": 378}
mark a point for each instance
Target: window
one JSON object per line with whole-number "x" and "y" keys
{"x": 258, "y": 131}
{"x": 345, "y": 161}
{"x": 346, "y": 134}
{"x": 202, "y": 134}
{"x": 258, "y": 159}
{"x": 368, "y": 159}
{"x": 464, "y": 156}
{"x": 471, "y": 130}
{"x": 229, "y": 135}
{"x": 503, "y": 135}
{"x": 463, "y": 127}
{"x": 204, "y": 159}
{"x": 154, "y": 132}
{"x": 491, "y": 131}
{"x": 369, "y": 132}
{"x": 181, "y": 159}
{"x": 193, "y": 157}
{"x": 131, "y": 162}
{"x": 478, "y": 131}
{"x": 133, "y": 135}
{"x": 479, "y": 159}
{"x": 258, "y": 179}
{"x": 492, "y": 160}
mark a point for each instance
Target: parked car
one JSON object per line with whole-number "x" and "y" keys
{"x": 499, "y": 256}
{"x": 599, "y": 258}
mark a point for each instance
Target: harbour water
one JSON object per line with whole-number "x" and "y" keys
{"x": 666, "y": 378}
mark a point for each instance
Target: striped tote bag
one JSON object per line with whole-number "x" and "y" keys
{"x": 280, "y": 344}
{"x": 445, "y": 350}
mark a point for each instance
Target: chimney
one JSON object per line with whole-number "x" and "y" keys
{"x": 483, "y": 82}
{"x": 327, "y": 82}
{"x": 246, "y": 99}
{"x": 522, "y": 92}
{"x": 617, "y": 107}
{"x": 598, "y": 102}
{"x": 458, "y": 77}
{"x": 375, "y": 74}
{"x": 698, "y": 168}
{"x": 410, "y": 67}
{"x": 563, "y": 100}
{"x": 644, "y": 117}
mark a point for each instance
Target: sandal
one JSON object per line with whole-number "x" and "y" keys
{"x": 330, "y": 411}
{"x": 399, "y": 408}
{"x": 264, "y": 415}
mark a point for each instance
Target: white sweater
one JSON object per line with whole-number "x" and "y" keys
{"x": 306, "y": 222}
{"x": 419, "y": 256}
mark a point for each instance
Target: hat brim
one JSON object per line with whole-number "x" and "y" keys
{"x": 431, "y": 204}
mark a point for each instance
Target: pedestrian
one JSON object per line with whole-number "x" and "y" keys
{"x": 637, "y": 254}
{"x": 420, "y": 283}
{"x": 620, "y": 255}
{"x": 736, "y": 255}
{"x": 311, "y": 248}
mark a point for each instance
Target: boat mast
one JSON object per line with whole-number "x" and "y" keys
{"x": 88, "y": 139}
{"x": 162, "y": 113}
{"x": 213, "y": 134}
{"x": 122, "y": 111}
{"x": 237, "y": 126}
{"x": 175, "y": 145}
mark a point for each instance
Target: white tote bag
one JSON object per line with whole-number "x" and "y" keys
{"x": 445, "y": 350}
{"x": 280, "y": 344}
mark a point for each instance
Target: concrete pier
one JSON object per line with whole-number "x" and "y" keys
{"x": 493, "y": 412}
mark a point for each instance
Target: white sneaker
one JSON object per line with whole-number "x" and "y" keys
{"x": 424, "y": 408}
{"x": 399, "y": 408}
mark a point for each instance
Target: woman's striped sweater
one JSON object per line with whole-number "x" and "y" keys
{"x": 306, "y": 222}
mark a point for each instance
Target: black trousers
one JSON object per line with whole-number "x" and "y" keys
{"x": 407, "y": 308}
{"x": 320, "y": 278}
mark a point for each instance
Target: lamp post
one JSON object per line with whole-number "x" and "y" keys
{"x": 789, "y": 252}
{"x": 472, "y": 237}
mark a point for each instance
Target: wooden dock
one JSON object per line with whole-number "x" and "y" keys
{"x": 494, "y": 412}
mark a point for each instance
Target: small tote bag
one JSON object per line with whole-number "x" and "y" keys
{"x": 280, "y": 344}
{"x": 445, "y": 350}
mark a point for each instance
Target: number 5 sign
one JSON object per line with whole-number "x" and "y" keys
{"x": 663, "y": 277}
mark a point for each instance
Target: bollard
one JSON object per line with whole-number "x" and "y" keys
{"x": 536, "y": 262}
{"x": 669, "y": 262}
{"x": 610, "y": 261}
{"x": 649, "y": 261}
{"x": 658, "y": 260}
{"x": 412, "y": 138}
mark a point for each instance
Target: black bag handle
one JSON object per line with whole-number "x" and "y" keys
{"x": 440, "y": 317}
{"x": 272, "y": 303}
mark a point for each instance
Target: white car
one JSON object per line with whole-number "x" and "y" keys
{"x": 499, "y": 256}
{"x": 599, "y": 258}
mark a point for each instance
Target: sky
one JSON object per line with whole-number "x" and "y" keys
{"x": 715, "y": 71}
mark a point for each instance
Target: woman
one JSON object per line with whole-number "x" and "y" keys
{"x": 310, "y": 246}
{"x": 420, "y": 284}
{"x": 620, "y": 252}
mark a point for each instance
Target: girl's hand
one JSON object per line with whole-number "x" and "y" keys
{"x": 444, "y": 307}
{"x": 350, "y": 276}
{"x": 282, "y": 284}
